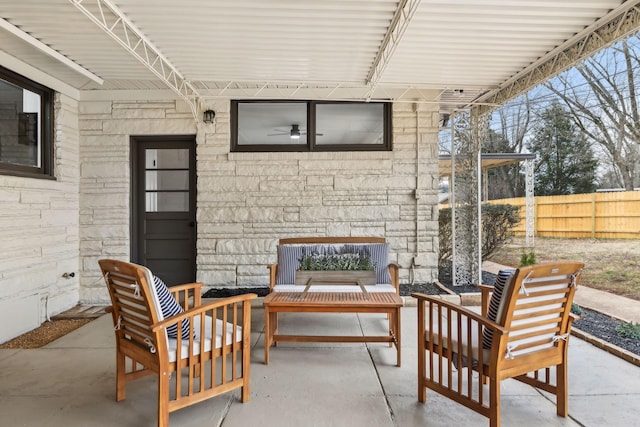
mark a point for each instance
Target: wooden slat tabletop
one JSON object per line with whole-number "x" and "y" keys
{"x": 333, "y": 298}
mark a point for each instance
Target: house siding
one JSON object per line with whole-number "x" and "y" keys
{"x": 245, "y": 203}
{"x": 40, "y": 234}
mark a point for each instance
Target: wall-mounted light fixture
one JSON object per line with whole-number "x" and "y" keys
{"x": 208, "y": 116}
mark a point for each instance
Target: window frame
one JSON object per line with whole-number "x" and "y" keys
{"x": 311, "y": 145}
{"x": 45, "y": 170}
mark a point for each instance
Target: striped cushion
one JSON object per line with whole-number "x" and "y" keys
{"x": 169, "y": 307}
{"x": 379, "y": 253}
{"x": 289, "y": 257}
{"x": 497, "y": 303}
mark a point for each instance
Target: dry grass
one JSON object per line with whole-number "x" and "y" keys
{"x": 610, "y": 265}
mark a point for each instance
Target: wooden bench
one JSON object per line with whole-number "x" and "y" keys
{"x": 290, "y": 250}
{"x": 288, "y": 296}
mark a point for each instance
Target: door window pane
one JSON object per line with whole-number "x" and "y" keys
{"x": 167, "y": 180}
{"x": 163, "y": 201}
{"x": 166, "y": 158}
{"x": 166, "y": 174}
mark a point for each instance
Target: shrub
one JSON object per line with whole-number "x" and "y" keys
{"x": 576, "y": 309}
{"x": 629, "y": 330}
{"x": 527, "y": 258}
{"x": 497, "y": 227}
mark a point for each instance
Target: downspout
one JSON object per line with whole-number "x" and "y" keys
{"x": 417, "y": 195}
{"x": 479, "y": 190}
{"x": 452, "y": 201}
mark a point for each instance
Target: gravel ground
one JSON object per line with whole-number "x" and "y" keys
{"x": 591, "y": 322}
{"x": 604, "y": 327}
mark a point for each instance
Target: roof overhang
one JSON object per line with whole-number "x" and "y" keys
{"x": 458, "y": 55}
{"x": 489, "y": 161}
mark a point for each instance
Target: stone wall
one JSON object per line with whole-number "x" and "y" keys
{"x": 40, "y": 234}
{"x": 105, "y": 177}
{"x": 247, "y": 201}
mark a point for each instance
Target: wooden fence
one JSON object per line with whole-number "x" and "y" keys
{"x": 611, "y": 215}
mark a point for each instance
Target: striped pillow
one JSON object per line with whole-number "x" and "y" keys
{"x": 496, "y": 304}
{"x": 289, "y": 257}
{"x": 169, "y": 307}
{"x": 379, "y": 253}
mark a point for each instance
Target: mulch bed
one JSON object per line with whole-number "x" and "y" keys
{"x": 45, "y": 333}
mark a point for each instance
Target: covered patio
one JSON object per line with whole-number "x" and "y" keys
{"x": 127, "y": 75}
{"x": 118, "y": 77}
{"x": 70, "y": 382}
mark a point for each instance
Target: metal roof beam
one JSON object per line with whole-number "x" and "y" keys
{"x": 616, "y": 25}
{"x": 400, "y": 22}
{"x": 113, "y": 22}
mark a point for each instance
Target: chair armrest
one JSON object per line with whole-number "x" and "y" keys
{"x": 202, "y": 309}
{"x": 273, "y": 270}
{"x": 435, "y": 301}
{"x": 485, "y": 297}
{"x": 183, "y": 293}
{"x": 394, "y": 272}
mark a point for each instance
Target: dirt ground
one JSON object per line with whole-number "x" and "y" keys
{"x": 610, "y": 265}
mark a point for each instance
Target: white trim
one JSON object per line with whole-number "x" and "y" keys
{"x": 26, "y": 70}
{"x": 46, "y": 49}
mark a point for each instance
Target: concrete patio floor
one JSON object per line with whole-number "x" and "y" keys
{"x": 71, "y": 382}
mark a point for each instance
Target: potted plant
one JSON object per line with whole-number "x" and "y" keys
{"x": 345, "y": 268}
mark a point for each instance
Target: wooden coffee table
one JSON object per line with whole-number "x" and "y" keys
{"x": 331, "y": 302}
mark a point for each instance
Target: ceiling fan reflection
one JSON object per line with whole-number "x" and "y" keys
{"x": 294, "y": 132}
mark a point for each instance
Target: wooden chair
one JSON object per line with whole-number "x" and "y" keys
{"x": 208, "y": 364}
{"x": 528, "y": 336}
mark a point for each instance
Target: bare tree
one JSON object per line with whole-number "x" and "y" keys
{"x": 601, "y": 96}
{"x": 507, "y": 135}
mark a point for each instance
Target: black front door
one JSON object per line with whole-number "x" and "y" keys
{"x": 164, "y": 206}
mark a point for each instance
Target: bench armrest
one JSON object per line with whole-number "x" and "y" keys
{"x": 394, "y": 272}
{"x": 273, "y": 270}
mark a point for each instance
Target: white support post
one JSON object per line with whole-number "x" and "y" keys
{"x": 529, "y": 203}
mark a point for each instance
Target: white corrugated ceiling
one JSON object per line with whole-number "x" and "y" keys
{"x": 238, "y": 47}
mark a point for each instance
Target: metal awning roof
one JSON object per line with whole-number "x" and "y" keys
{"x": 450, "y": 52}
{"x": 489, "y": 161}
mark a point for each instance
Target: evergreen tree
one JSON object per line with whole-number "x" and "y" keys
{"x": 504, "y": 181}
{"x": 565, "y": 162}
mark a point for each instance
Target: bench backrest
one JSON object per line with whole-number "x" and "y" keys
{"x": 292, "y": 250}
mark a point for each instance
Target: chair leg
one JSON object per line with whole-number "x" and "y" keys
{"x": 494, "y": 402}
{"x": 246, "y": 369}
{"x": 121, "y": 382}
{"x": 562, "y": 392}
{"x": 422, "y": 372}
{"x": 422, "y": 357}
{"x": 163, "y": 399}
